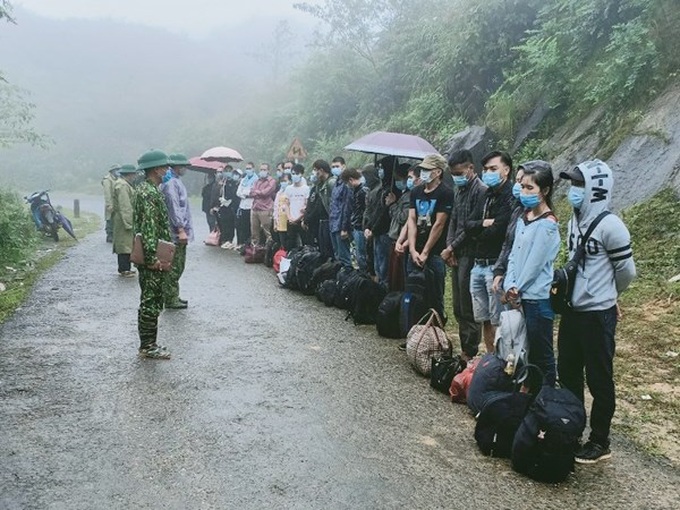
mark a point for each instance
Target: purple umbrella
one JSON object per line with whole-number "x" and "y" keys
{"x": 222, "y": 154}
{"x": 393, "y": 144}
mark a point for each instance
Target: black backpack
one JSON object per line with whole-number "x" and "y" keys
{"x": 366, "y": 301}
{"x": 544, "y": 445}
{"x": 387, "y": 319}
{"x": 411, "y": 310}
{"x": 348, "y": 287}
{"x": 326, "y": 292}
{"x": 498, "y": 421}
{"x": 295, "y": 255}
{"x": 326, "y": 271}
{"x": 489, "y": 377}
{"x": 305, "y": 268}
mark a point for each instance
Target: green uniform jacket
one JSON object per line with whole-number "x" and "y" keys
{"x": 150, "y": 218}
{"x": 108, "y": 183}
{"x": 122, "y": 217}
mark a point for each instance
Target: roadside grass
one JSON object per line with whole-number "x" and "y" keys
{"x": 647, "y": 362}
{"x": 20, "y": 276}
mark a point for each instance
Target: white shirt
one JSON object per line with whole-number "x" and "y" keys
{"x": 298, "y": 199}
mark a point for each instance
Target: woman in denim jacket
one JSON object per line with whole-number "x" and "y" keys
{"x": 530, "y": 267}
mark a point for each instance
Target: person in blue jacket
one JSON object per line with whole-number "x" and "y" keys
{"x": 530, "y": 267}
{"x": 340, "y": 215}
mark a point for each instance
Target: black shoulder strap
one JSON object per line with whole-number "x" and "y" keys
{"x": 593, "y": 225}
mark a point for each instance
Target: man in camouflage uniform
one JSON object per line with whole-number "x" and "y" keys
{"x": 108, "y": 183}
{"x": 177, "y": 201}
{"x": 150, "y": 219}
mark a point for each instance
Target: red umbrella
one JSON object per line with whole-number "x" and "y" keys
{"x": 207, "y": 167}
{"x": 222, "y": 154}
{"x": 393, "y": 144}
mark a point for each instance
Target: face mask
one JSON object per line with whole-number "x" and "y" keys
{"x": 284, "y": 185}
{"x": 167, "y": 176}
{"x": 410, "y": 183}
{"x": 279, "y": 173}
{"x": 426, "y": 176}
{"x": 287, "y": 171}
{"x": 336, "y": 171}
{"x": 249, "y": 172}
{"x": 313, "y": 178}
{"x": 263, "y": 174}
{"x": 516, "y": 190}
{"x": 458, "y": 180}
{"x": 401, "y": 185}
{"x": 576, "y": 196}
{"x": 219, "y": 176}
{"x": 362, "y": 181}
{"x": 381, "y": 173}
{"x": 296, "y": 178}
{"x": 491, "y": 179}
{"x": 530, "y": 201}
{"x": 229, "y": 177}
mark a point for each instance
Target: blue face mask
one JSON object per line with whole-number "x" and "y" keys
{"x": 460, "y": 180}
{"x": 263, "y": 174}
{"x": 426, "y": 176}
{"x": 296, "y": 178}
{"x": 530, "y": 201}
{"x": 313, "y": 178}
{"x": 410, "y": 182}
{"x": 167, "y": 176}
{"x": 336, "y": 171}
{"x": 400, "y": 185}
{"x": 284, "y": 185}
{"x": 279, "y": 173}
{"x": 576, "y": 196}
{"x": 491, "y": 179}
{"x": 249, "y": 172}
{"x": 381, "y": 173}
{"x": 229, "y": 177}
{"x": 516, "y": 190}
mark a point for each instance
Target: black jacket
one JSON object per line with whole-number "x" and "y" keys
{"x": 465, "y": 205}
{"x": 358, "y": 207}
{"x": 496, "y": 204}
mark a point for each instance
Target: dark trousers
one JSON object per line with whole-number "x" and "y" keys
{"x": 324, "y": 238}
{"x": 227, "y": 222}
{"x": 243, "y": 226}
{"x": 435, "y": 282}
{"x": 109, "y": 231}
{"x": 539, "y": 317}
{"x": 294, "y": 237}
{"x": 468, "y": 330}
{"x": 586, "y": 341}
{"x": 123, "y": 262}
{"x": 212, "y": 220}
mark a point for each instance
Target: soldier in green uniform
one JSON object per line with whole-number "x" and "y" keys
{"x": 150, "y": 219}
{"x": 121, "y": 217}
{"x": 181, "y": 228}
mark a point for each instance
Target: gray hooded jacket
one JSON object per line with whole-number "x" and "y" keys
{"x": 609, "y": 267}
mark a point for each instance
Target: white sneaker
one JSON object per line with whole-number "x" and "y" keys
{"x": 228, "y": 246}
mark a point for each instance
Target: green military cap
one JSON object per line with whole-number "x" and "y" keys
{"x": 114, "y": 168}
{"x": 152, "y": 159}
{"x": 178, "y": 160}
{"x": 128, "y": 169}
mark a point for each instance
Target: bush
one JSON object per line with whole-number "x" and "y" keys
{"x": 17, "y": 231}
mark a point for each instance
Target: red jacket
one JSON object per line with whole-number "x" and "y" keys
{"x": 263, "y": 193}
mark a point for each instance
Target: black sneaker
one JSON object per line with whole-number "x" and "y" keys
{"x": 592, "y": 453}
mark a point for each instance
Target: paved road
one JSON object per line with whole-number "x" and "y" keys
{"x": 270, "y": 401}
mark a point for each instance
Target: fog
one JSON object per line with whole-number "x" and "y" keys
{"x": 112, "y": 79}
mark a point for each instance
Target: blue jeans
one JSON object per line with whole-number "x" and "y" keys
{"x": 360, "y": 249}
{"x": 434, "y": 284}
{"x": 382, "y": 245}
{"x": 341, "y": 249}
{"x": 486, "y": 304}
{"x": 539, "y": 318}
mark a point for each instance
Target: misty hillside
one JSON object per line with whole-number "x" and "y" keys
{"x": 106, "y": 91}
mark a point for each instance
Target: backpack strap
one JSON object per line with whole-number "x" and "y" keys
{"x": 593, "y": 225}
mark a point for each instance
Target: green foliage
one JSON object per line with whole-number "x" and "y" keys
{"x": 16, "y": 117}
{"x": 17, "y": 230}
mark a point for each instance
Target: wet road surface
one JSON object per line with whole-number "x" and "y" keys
{"x": 271, "y": 400}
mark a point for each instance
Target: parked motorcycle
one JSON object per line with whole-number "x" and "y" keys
{"x": 46, "y": 218}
